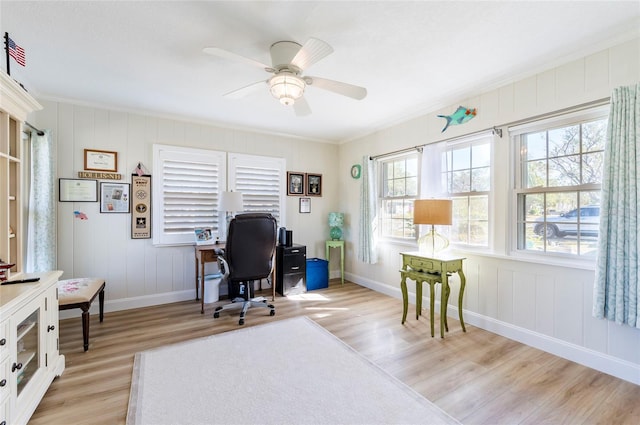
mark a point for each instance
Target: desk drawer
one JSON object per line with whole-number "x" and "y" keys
{"x": 294, "y": 264}
{"x": 423, "y": 264}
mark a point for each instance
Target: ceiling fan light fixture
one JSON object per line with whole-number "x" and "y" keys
{"x": 286, "y": 87}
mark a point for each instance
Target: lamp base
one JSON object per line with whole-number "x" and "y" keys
{"x": 335, "y": 233}
{"x": 432, "y": 242}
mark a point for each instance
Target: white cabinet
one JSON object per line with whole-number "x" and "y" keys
{"x": 29, "y": 346}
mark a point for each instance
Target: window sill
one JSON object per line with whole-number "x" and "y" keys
{"x": 532, "y": 258}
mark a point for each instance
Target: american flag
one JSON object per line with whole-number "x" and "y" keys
{"x": 16, "y": 52}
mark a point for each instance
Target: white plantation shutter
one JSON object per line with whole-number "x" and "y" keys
{"x": 186, "y": 191}
{"x": 261, "y": 180}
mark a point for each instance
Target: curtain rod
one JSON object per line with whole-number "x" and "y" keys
{"x": 38, "y": 132}
{"x": 382, "y": 155}
{"x": 498, "y": 131}
{"x": 577, "y": 108}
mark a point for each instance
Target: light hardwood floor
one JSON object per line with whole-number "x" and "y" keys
{"x": 477, "y": 377}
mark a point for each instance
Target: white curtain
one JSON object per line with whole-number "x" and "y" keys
{"x": 616, "y": 295}
{"x": 367, "y": 252}
{"x": 433, "y": 182}
{"x": 41, "y": 209}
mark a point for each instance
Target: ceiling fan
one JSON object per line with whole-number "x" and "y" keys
{"x": 288, "y": 61}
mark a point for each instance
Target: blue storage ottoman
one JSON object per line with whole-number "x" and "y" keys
{"x": 317, "y": 273}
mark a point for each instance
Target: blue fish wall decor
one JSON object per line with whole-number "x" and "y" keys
{"x": 460, "y": 116}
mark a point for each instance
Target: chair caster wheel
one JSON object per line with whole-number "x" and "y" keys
{"x": 272, "y": 313}
{"x": 241, "y": 322}
{"x": 216, "y": 315}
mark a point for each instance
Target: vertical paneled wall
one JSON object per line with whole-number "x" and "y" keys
{"x": 545, "y": 305}
{"x": 138, "y": 273}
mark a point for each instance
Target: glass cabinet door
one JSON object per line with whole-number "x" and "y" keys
{"x": 27, "y": 350}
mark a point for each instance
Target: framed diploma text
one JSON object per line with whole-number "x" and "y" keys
{"x": 78, "y": 190}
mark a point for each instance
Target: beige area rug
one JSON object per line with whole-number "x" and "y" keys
{"x": 291, "y": 371}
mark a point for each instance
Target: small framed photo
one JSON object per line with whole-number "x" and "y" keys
{"x": 305, "y": 205}
{"x": 114, "y": 197}
{"x": 96, "y": 160}
{"x": 77, "y": 190}
{"x": 295, "y": 183}
{"x": 314, "y": 185}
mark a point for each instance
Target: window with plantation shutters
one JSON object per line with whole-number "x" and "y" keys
{"x": 186, "y": 191}
{"x": 261, "y": 180}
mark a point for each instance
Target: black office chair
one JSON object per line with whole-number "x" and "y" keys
{"x": 247, "y": 256}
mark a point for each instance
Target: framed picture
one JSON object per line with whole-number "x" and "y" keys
{"x": 114, "y": 197}
{"x": 100, "y": 160}
{"x": 295, "y": 183}
{"x": 77, "y": 190}
{"x": 140, "y": 206}
{"x": 305, "y": 205}
{"x": 314, "y": 185}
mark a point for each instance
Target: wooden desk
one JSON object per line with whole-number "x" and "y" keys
{"x": 422, "y": 268}
{"x": 204, "y": 254}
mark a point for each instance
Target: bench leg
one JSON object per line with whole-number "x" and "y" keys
{"x": 101, "y": 301}
{"x": 85, "y": 327}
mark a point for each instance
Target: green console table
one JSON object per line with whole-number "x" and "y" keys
{"x": 436, "y": 269}
{"x": 336, "y": 244}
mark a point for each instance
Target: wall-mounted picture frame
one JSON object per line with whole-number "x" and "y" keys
{"x": 305, "y": 205}
{"x": 314, "y": 185}
{"x": 295, "y": 183}
{"x": 98, "y": 160}
{"x": 114, "y": 197}
{"x": 77, "y": 190}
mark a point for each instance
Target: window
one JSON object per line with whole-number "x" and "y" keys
{"x": 189, "y": 181}
{"x": 558, "y": 179}
{"x": 398, "y": 190}
{"x": 261, "y": 180}
{"x": 467, "y": 173}
{"x": 186, "y": 192}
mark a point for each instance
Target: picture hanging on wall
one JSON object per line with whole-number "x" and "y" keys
{"x": 114, "y": 197}
{"x": 141, "y": 200}
{"x": 314, "y": 185}
{"x": 295, "y": 183}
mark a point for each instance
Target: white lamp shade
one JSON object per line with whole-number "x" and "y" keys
{"x": 231, "y": 201}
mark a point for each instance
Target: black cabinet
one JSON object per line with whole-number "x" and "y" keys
{"x": 291, "y": 269}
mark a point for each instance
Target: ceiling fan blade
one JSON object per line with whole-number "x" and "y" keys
{"x": 243, "y": 91}
{"x": 311, "y": 52}
{"x": 301, "y": 107}
{"x": 349, "y": 90}
{"x": 221, "y": 53}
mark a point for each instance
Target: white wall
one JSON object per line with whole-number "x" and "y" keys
{"x": 544, "y": 305}
{"x": 137, "y": 273}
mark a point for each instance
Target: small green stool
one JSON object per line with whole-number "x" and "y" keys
{"x": 432, "y": 279}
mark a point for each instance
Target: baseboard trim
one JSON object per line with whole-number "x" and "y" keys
{"x": 134, "y": 302}
{"x": 601, "y": 362}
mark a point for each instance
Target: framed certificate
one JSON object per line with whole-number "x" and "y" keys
{"x": 77, "y": 190}
{"x": 100, "y": 160}
{"x": 114, "y": 197}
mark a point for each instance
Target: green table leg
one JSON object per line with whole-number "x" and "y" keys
{"x": 463, "y": 282}
{"x": 432, "y": 294}
{"x": 405, "y": 297}
{"x": 418, "y": 299}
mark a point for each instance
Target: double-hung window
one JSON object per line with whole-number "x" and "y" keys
{"x": 466, "y": 172}
{"x": 557, "y": 183}
{"x": 398, "y": 190}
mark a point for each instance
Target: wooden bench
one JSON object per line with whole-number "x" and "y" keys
{"x": 80, "y": 293}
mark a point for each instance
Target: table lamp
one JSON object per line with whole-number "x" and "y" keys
{"x": 336, "y": 221}
{"x": 433, "y": 212}
{"x": 230, "y": 202}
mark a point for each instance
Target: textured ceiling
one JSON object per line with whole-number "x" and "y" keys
{"x": 412, "y": 57}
